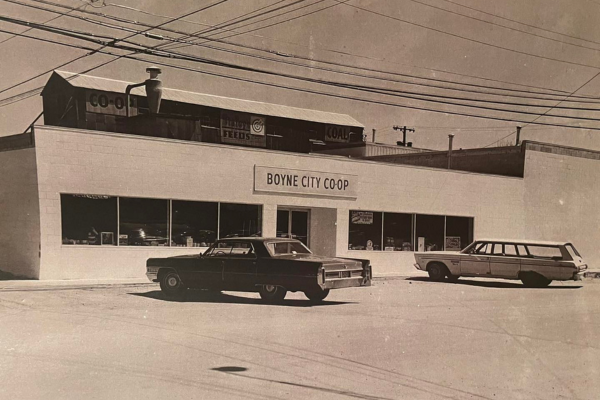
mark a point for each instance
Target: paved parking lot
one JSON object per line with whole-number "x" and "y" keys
{"x": 399, "y": 339}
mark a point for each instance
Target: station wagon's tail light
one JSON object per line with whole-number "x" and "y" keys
{"x": 321, "y": 276}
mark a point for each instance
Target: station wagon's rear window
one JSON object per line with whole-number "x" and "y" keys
{"x": 544, "y": 251}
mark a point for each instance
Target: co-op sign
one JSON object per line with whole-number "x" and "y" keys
{"x": 315, "y": 183}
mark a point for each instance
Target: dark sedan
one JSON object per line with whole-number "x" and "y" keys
{"x": 269, "y": 266}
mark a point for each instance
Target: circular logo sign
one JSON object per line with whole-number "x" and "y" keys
{"x": 257, "y": 126}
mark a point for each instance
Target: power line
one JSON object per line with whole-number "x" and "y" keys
{"x": 467, "y": 38}
{"x": 50, "y": 20}
{"x": 503, "y": 26}
{"x": 246, "y": 17}
{"x": 279, "y": 60}
{"x": 550, "y": 109}
{"x": 310, "y": 91}
{"x": 114, "y": 42}
{"x": 346, "y": 86}
{"x": 520, "y": 23}
{"x": 316, "y": 60}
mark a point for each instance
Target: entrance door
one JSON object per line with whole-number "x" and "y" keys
{"x": 293, "y": 223}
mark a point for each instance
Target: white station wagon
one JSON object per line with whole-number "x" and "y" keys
{"x": 536, "y": 264}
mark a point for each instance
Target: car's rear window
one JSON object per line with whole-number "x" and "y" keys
{"x": 281, "y": 248}
{"x": 552, "y": 252}
{"x": 572, "y": 250}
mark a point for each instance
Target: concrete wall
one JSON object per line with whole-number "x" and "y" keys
{"x": 19, "y": 213}
{"x": 562, "y": 199}
{"x": 112, "y": 164}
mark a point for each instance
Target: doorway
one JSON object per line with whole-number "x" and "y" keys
{"x": 293, "y": 223}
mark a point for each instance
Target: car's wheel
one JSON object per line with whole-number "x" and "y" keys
{"x": 272, "y": 293}
{"x": 437, "y": 272}
{"x": 534, "y": 280}
{"x": 453, "y": 278}
{"x": 171, "y": 285}
{"x": 316, "y": 295}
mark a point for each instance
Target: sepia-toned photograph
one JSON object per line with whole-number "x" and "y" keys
{"x": 300, "y": 199}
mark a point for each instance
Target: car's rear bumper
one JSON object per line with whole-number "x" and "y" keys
{"x": 345, "y": 283}
{"x": 578, "y": 276}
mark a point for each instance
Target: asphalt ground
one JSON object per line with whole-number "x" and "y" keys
{"x": 402, "y": 338}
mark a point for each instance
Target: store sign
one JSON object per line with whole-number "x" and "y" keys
{"x": 453, "y": 243}
{"x": 361, "y": 217}
{"x": 313, "y": 183}
{"x": 236, "y": 128}
{"x": 109, "y": 103}
{"x": 334, "y": 133}
{"x": 257, "y": 125}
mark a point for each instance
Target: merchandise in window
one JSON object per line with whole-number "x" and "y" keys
{"x": 397, "y": 232}
{"x": 89, "y": 219}
{"x": 143, "y": 222}
{"x": 194, "y": 223}
{"x": 430, "y": 232}
{"x": 240, "y": 220}
{"x": 364, "y": 230}
{"x": 459, "y": 233}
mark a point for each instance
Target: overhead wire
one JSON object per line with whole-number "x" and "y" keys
{"x": 481, "y": 42}
{"x": 384, "y": 91}
{"x": 520, "y": 23}
{"x": 316, "y": 60}
{"x": 305, "y": 90}
{"x": 551, "y": 108}
{"x": 93, "y": 51}
{"x": 346, "y": 86}
{"x": 503, "y": 26}
{"x": 359, "y": 68}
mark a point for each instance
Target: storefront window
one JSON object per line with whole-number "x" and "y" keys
{"x": 194, "y": 223}
{"x": 143, "y": 222}
{"x": 397, "y": 232}
{"x": 239, "y": 220}
{"x": 89, "y": 219}
{"x": 459, "y": 233}
{"x": 365, "y": 230}
{"x": 430, "y": 232}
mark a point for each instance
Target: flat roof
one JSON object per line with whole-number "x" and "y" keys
{"x": 207, "y": 100}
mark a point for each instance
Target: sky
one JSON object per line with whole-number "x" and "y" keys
{"x": 529, "y": 46}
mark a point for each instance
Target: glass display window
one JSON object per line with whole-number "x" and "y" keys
{"x": 88, "y": 219}
{"x": 365, "y": 229}
{"x": 143, "y": 222}
{"x": 194, "y": 223}
{"x": 430, "y": 232}
{"x": 398, "y": 232}
{"x": 240, "y": 220}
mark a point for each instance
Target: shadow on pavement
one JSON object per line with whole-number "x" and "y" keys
{"x": 202, "y": 296}
{"x": 491, "y": 284}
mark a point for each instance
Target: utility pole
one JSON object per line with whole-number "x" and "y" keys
{"x": 404, "y": 129}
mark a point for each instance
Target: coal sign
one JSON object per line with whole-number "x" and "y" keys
{"x": 334, "y": 133}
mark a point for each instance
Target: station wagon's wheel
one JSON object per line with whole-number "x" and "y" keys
{"x": 316, "y": 295}
{"x": 171, "y": 285}
{"x": 272, "y": 293}
{"x": 437, "y": 272}
{"x": 533, "y": 280}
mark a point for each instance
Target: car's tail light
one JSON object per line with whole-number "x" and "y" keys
{"x": 321, "y": 276}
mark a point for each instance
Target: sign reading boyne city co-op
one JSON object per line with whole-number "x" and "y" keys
{"x": 312, "y": 183}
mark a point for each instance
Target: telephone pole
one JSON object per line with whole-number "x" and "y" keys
{"x": 404, "y": 129}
